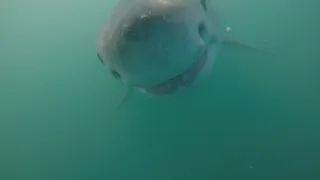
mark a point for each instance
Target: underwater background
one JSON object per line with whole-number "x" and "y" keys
{"x": 256, "y": 117}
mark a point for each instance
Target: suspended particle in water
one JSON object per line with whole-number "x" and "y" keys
{"x": 228, "y": 29}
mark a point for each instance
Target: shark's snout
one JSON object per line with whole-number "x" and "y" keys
{"x": 141, "y": 29}
{"x": 157, "y": 45}
{"x": 155, "y": 49}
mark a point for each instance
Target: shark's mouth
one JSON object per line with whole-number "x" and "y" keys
{"x": 184, "y": 79}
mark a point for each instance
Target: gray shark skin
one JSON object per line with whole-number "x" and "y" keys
{"x": 158, "y": 46}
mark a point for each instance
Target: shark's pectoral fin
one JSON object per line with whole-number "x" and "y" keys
{"x": 237, "y": 43}
{"x": 125, "y": 97}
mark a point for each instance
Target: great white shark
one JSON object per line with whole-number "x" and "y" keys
{"x": 160, "y": 46}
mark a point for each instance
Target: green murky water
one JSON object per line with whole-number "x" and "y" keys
{"x": 255, "y": 118}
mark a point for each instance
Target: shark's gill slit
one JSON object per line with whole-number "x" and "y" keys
{"x": 99, "y": 57}
{"x": 115, "y": 74}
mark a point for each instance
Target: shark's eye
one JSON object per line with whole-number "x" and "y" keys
{"x": 208, "y": 38}
{"x": 100, "y": 58}
{"x": 204, "y": 5}
{"x": 202, "y": 30}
